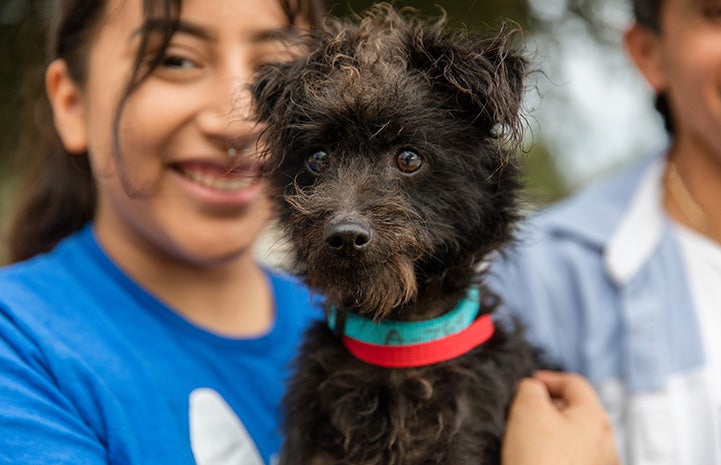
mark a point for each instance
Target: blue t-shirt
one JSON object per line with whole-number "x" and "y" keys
{"x": 95, "y": 370}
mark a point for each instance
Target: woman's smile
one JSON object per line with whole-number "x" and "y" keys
{"x": 220, "y": 184}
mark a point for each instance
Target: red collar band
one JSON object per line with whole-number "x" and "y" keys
{"x": 425, "y": 353}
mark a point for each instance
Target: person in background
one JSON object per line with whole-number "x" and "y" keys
{"x": 136, "y": 327}
{"x": 620, "y": 283}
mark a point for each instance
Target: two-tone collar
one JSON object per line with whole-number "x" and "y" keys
{"x": 406, "y": 344}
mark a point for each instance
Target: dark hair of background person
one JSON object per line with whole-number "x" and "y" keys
{"x": 58, "y": 195}
{"x": 648, "y": 13}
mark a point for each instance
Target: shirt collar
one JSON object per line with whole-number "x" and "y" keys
{"x": 640, "y": 229}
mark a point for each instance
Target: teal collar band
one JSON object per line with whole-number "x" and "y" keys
{"x": 402, "y": 333}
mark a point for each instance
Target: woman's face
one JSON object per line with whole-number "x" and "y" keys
{"x": 689, "y": 53}
{"x": 175, "y": 189}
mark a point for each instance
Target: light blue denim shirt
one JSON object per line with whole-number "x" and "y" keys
{"x": 600, "y": 282}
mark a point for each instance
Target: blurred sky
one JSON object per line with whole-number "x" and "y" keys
{"x": 596, "y": 112}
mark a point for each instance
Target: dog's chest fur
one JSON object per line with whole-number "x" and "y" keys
{"x": 354, "y": 413}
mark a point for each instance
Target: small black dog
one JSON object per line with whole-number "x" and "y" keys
{"x": 392, "y": 147}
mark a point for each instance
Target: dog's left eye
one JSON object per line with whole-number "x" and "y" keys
{"x": 408, "y": 161}
{"x": 316, "y": 162}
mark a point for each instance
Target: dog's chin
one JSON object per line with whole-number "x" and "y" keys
{"x": 372, "y": 290}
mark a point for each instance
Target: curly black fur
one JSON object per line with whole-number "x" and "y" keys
{"x": 368, "y": 94}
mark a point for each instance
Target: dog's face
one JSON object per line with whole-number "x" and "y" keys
{"x": 384, "y": 145}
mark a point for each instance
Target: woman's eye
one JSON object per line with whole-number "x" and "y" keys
{"x": 316, "y": 162}
{"x": 408, "y": 161}
{"x": 173, "y": 61}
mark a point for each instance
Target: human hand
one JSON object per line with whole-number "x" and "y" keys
{"x": 556, "y": 418}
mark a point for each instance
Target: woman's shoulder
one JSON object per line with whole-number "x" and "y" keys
{"x": 41, "y": 278}
{"x": 47, "y": 275}
{"x": 49, "y": 291}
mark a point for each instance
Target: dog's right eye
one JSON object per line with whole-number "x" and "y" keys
{"x": 316, "y": 162}
{"x": 408, "y": 161}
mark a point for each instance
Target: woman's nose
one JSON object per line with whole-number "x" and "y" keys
{"x": 227, "y": 110}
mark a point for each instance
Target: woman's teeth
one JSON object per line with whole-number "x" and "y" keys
{"x": 219, "y": 183}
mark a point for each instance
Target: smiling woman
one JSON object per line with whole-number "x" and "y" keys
{"x": 138, "y": 291}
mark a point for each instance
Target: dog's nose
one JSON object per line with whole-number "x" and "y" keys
{"x": 347, "y": 236}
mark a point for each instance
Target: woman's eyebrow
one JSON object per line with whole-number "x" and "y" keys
{"x": 277, "y": 34}
{"x": 198, "y": 31}
{"x": 160, "y": 25}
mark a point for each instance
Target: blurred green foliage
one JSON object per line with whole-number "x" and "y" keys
{"x": 22, "y": 52}
{"x": 22, "y": 36}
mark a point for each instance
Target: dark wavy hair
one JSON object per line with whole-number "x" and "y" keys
{"x": 59, "y": 194}
{"x": 648, "y": 13}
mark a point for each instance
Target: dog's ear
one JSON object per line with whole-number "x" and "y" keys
{"x": 276, "y": 93}
{"x": 484, "y": 76}
{"x": 272, "y": 86}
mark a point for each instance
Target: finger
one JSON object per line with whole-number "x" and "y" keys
{"x": 532, "y": 393}
{"x": 571, "y": 388}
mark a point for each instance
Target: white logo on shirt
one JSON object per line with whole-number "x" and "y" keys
{"x": 217, "y": 436}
